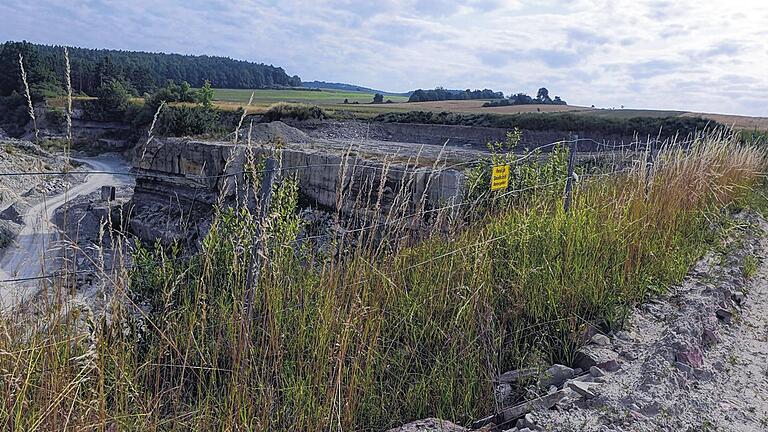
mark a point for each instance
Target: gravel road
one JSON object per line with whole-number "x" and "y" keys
{"x": 31, "y": 253}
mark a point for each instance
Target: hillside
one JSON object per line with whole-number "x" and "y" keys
{"x": 144, "y": 70}
{"x": 476, "y": 107}
{"x": 349, "y": 88}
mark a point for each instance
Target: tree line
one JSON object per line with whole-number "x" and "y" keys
{"x": 441, "y": 94}
{"x": 139, "y": 72}
{"x": 542, "y": 98}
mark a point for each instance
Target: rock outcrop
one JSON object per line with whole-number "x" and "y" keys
{"x": 468, "y": 137}
{"x": 180, "y": 180}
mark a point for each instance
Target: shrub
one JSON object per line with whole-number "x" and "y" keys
{"x": 194, "y": 120}
{"x": 14, "y": 113}
{"x": 114, "y": 98}
{"x": 283, "y": 110}
{"x": 173, "y": 92}
{"x": 56, "y": 117}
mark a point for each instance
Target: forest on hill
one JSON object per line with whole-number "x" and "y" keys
{"x": 140, "y": 71}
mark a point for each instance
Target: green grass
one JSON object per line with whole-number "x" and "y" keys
{"x": 322, "y": 97}
{"x": 750, "y": 266}
{"x": 332, "y": 101}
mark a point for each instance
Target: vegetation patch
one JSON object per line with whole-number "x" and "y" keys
{"x": 643, "y": 126}
{"x": 282, "y": 111}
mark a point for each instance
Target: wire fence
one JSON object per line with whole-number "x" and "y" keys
{"x": 519, "y": 158}
{"x": 145, "y": 172}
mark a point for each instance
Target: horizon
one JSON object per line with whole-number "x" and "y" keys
{"x": 469, "y": 45}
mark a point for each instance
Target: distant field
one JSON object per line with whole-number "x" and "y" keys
{"x": 332, "y": 101}
{"x": 476, "y": 106}
{"x": 737, "y": 121}
{"x": 322, "y": 97}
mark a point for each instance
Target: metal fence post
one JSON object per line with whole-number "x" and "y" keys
{"x": 649, "y": 165}
{"x": 569, "y": 181}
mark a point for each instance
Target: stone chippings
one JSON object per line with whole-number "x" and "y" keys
{"x": 429, "y": 425}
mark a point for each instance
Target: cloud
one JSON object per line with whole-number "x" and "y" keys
{"x": 724, "y": 49}
{"x": 644, "y": 53}
{"x": 578, "y": 36}
{"x": 554, "y": 58}
{"x": 652, "y": 68}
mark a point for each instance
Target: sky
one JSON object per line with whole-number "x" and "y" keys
{"x": 696, "y": 55}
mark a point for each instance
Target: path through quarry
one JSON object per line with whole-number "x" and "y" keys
{"x": 30, "y": 255}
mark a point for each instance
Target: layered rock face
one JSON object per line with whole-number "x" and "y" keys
{"x": 466, "y": 137}
{"x": 181, "y": 180}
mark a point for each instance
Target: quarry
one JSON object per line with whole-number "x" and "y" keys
{"x": 83, "y": 227}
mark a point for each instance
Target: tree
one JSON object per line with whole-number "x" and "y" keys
{"x": 114, "y": 97}
{"x": 543, "y": 95}
{"x": 440, "y": 94}
{"x": 172, "y": 92}
{"x": 107, "y": 71}
{"x": 186, "y": 94}
{"x": 40, "y": 80}
{"x": 205, "y": 95}
{"x": 521, "y": 99}
{"x": 144, "y": 71}
{"x": 378, "y": 98}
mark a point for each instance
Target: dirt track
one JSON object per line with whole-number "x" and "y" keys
{"x": 31, "y": 253}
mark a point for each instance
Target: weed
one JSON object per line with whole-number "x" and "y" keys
{"x": 750, "y": 266}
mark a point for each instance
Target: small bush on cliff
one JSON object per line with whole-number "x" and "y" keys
{"x": 183, "y": 120}
{"x": 13, "y": 114}
{"x": 283, "y": 110}
{"x": 114, "y": 99}
{"x": 171, "y": 92}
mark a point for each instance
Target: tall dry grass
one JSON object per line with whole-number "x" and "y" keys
{"x": 379, "y": 335}
{"x": 28, "y": 96}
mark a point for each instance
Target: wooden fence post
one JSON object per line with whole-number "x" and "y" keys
{"x": 257, "y": 246}
{"x": 569, "y": 181}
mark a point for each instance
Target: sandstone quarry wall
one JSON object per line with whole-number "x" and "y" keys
{"x": 180, "y": 180}
{"x": 476, "y": 137}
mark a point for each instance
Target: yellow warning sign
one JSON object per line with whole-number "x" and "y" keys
{"x": 500, "y": 177}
